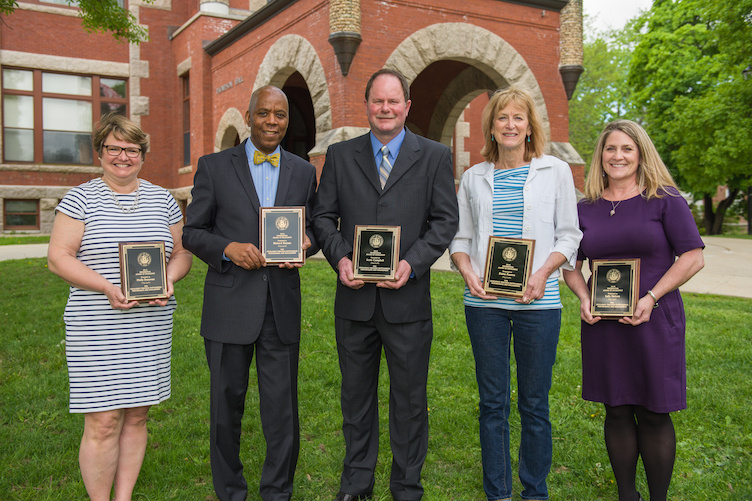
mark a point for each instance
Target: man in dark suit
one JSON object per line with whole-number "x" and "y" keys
{"x": 359, "y": 187}
{"x": 247, "y": 304}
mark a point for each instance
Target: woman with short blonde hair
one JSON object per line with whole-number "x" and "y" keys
{"x": 118, "y": 351}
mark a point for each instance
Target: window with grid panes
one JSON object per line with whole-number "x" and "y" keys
{"x": 48, "y": 117}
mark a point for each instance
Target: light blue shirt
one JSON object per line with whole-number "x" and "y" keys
{"x": 394, "y": 148}
{"x": 507, "y": 217}
{"x": 265, "y": 176}
{"x": 549, "y": 213}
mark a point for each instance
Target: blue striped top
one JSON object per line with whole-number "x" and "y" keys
{"x": 507, "y": 222}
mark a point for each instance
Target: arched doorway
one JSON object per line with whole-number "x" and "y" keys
{"x": 301, "y": 131}
{"x": 447, "y": 97}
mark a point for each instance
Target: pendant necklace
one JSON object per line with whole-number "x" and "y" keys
{"x": 613, "y": 207}
{"x": 125, "y": 210}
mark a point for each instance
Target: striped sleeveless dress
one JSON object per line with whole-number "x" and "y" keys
{"x": 117, "y": 358}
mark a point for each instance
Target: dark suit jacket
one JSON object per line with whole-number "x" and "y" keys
{"x": 419, "y": 196}
{"x": 224, "y": 209}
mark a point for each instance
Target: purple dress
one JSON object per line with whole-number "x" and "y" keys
{"x": 643, "y": 365}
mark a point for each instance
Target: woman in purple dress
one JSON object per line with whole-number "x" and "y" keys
{"x": 636, "y": 365}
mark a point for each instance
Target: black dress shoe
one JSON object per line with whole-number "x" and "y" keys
{"x": 343, "y": 496}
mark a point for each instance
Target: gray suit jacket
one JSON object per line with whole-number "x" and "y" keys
{"x": 419, "y": 196}
{"x": 224, "y": 209}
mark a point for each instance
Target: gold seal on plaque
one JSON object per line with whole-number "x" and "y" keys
{"x": 282, "y": 232}
{"x": 508, "y": 265}
{"x": 376, "y": 240}
{"x": 282, "y": 223}
{"x": 144, "y": 259}
{"x": 143, "y": 270}
{"x": 375, "y": 252}
{"x": 614, "y": 287}
{"x": 613, "y": 275}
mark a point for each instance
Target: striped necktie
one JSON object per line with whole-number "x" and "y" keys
{"x": 386, "y": 167}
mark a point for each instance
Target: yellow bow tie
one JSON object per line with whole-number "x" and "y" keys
{"x": 259, "y": 157}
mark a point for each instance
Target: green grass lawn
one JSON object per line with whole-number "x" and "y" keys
{"x": 39, "y": 439}
{"x": 19, "y": 239}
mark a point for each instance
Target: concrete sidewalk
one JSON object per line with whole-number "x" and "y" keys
{"x": 728, "y": 268}
{"x": 727, "y": 272}
{"x": 22, "y": 251}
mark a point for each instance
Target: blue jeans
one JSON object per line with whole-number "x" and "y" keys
{"x": 536, "y": 335}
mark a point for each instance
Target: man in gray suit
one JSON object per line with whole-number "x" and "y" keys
{"x": 358, "y": 187}
{"x": 248, "y": 305}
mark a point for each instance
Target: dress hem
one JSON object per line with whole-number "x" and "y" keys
{"x": 118, "y": 407}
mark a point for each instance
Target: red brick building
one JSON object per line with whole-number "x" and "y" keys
{"x": 189, "y": 85}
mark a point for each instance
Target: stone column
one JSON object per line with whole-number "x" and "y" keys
{"x": 344, "y": 31}
{"x": 570, "y": 43}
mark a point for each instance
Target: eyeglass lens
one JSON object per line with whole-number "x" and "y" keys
{"x": 129, "y": 152}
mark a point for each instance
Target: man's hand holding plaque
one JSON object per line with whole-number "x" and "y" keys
{"x": 614, "y": 287}
{"x": 376, "y": 253}
{"x": 508, "y": 266}
{"x": 143, "y": 271}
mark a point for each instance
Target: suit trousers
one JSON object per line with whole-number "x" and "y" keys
{"x": 407, "y": 347}
{"x": 277, "y": 372}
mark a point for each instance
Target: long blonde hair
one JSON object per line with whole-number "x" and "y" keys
{"x": 524, "y": 100}
{"x": 652, "y": 175}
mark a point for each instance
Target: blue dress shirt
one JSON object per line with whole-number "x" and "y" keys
{"x": 394, "y": 148}
{"x": 265, "y": 176}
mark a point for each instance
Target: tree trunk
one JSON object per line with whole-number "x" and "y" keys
{"x": 708, "y": 216}
{"x": 713, "y": 221}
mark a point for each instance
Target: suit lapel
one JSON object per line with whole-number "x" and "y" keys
{"x": 285, "y": 175}
{"x": 364, "y": 159}
{"x": 408, "y": 155}
{"x": 240, "y": 164}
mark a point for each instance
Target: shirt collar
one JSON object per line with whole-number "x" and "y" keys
{"x": 250, "y": 149}
{"x": 394, "y": 145}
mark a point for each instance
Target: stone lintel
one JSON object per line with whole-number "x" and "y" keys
{"x": 324, "y": 140}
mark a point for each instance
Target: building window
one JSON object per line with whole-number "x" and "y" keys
{"x": 21, "y": 214}
{"x": 186, "y": 94}
{"x": 48, "y": 117}
{"x": 74, "y": 3}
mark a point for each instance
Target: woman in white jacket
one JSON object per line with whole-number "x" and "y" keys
{"x": 517, "y": 192}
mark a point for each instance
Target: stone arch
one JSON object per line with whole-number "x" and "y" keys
{"x": 293, "y": 53}
{"x": 468, "y": 85}
{"x": 500, "y": 64}
{"x": 231, "y": 123}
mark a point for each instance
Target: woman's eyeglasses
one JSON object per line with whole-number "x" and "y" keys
{"x": 129, "y": 152}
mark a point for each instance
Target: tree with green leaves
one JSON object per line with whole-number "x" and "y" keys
{"x": 687, "y": 74}
{"x": 602, "y": 94}
{"x": 100, "y": 16}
